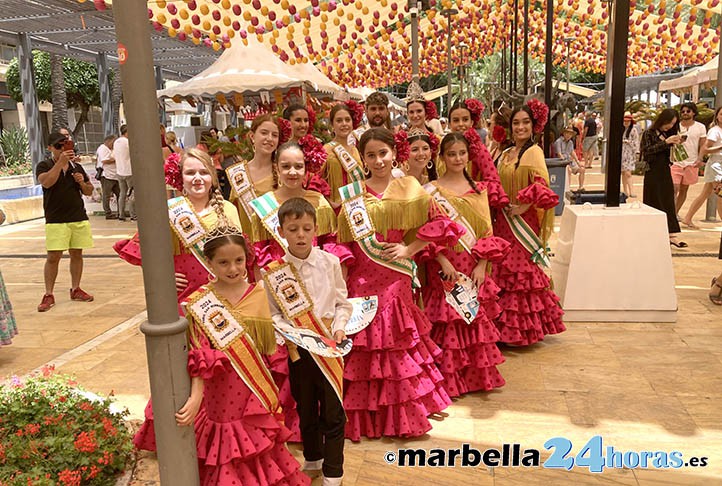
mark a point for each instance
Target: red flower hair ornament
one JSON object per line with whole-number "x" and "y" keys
{"x": 430, "y": 110}
{"x": 357, "y": 113}
{"x": 499, "y": 134}
{"x": 403, "y": 150}
{"x": 173, "y": 176}
{"x": 476, "y": 108}
{"x": 284, "y": 130}
{"x": 313, "y": 153}
{"x": 541, "y": 114}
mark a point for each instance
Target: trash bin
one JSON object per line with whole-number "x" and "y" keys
{"x": 593, "y": 197}
{"x": 558, "y": 181}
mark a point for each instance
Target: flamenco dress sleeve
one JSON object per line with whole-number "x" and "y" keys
{"x": 204, "y": 361}
{"x": 538, "y": 194}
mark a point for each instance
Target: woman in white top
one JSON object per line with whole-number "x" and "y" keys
{"x": 712, "y": 171}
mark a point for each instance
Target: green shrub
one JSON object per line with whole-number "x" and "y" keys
{"x": 15, "y": 146}
{"x": 53, "y": 433}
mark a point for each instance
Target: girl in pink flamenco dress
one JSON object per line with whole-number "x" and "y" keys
{"x": 470, "y": 355}
{"x": 391, "y": 383}
{"x": 239, "y": 438}
{"x": 530, "y": 308}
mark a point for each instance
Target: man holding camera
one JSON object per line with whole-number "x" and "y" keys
{"x": 66, "y": 222}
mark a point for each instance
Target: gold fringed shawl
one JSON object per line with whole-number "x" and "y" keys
{"x": 474, "y": 208}
{"x": 514, "y": 179}
{"x": 333, "y": 171}
{"x": 325, "y": 218}
{"x": 404, "y": 206}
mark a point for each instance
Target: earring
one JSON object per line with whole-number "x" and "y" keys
{"x": 394, "y": 164}
{"x": 245, "y": 274}
{"x": 212, "y": 278}
{"x": 184, "y": 192}
{"x": 366, "y": 171}
{"x": 430, "y": 165}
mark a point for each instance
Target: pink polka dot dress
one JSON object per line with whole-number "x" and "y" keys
{"x": 469, "y": 356}
{"x": 391, "y": 381}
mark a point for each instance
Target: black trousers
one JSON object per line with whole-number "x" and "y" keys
{"x": 323, "y": 420}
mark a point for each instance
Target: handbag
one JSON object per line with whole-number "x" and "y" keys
{"x": 98, "y": 173}
{"x": 640, "y": 166}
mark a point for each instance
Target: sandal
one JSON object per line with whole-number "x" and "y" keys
{"x": 690, "y": 225}
{"x": 678, "y": 244}
{"x": 716, "y": 299}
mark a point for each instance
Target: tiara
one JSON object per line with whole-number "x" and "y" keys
{"x": 415, "y": 93}
{"x": 223, "y": 229}
{"x": 417, "y": 132}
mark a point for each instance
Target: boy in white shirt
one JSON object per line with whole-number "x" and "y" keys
{"x": 321, "y": 413}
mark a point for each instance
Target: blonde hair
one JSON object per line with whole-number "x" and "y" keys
{"x": 194, "y": 153}
{"x": 170, "y": 137}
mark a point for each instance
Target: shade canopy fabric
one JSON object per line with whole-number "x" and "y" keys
{"x": 694, "y": 77}
{"x": 240, "y": 69}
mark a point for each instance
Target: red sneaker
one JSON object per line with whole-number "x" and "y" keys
{"x": 81, "y": 295}
{"x": 47, "y": 302}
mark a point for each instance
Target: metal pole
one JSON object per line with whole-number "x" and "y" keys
{"x": 525, "y": 83}
{"x": 159, "y": 85}
{"x": 164, "y": 330}
{"x": 503, "y": 63}
{"x": 106, "y": 99}
{"x": 515, "y": 46}
{"x": 615, "y": 84}
{"x": 569, "y": 71}
{"x": 414, "y": 10}
{"x": 449, "y": 12}
{"x": 548, "y": 67}
{"x": 30, "y": 100}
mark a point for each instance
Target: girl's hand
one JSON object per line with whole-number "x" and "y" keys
{"x": 448, "y": 272}
{"x": 519, "y": 209}
{"x": 180, "y": 281}
{"x": 395, "y": 251}
{"x": 478, "y": 275}
{"x": 188, "y": 412}
{"x": 339, "y": 336}
{"x": 674, "y": 139}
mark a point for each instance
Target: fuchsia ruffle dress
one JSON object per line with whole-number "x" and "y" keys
{"x": 530, "y": 308}
{"x": 469, "y": 352}
{"x": 391, "y": 382}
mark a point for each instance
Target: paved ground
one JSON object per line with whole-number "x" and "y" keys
{"x": 642, "y": 386}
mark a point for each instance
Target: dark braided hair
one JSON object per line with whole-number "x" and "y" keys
{"x": 530, "y": 142}
{"x": 450, "y": 139}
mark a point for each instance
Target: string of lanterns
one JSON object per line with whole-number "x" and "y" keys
{"x": 367, "y": 43}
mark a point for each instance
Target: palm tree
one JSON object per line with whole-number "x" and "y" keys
{"x": 117, "y": 97}
{"x": 59, "y": 96}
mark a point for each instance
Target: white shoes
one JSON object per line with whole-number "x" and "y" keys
{"x": 332, "y": 481}
{"x": 312, "y": 465}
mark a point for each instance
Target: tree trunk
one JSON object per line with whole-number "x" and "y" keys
{"x": 59, "y": 96}
{"x": 117, "y": 96}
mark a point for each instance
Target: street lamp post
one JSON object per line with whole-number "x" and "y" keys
{"x": 448, "y": 12}
{"x": 462, "y": 68}
{"x": 414, "y": 11}
{"x": 568, "y": 41}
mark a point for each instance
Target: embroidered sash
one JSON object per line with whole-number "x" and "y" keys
{"x": 358, "y": 132}
{"x": 188, "y": 227}
{"x": 462, "y": 296}
{"x": 364, "y": 233}
{"x": 529, "y": 240}
{"x": 350, "y": 165}
{"x": 293, "y": 300}
{"x": 241, "y": 183}
{"x": 468, "y": 240}
{"x": 229, "y": 336}
{"x": 266, "y": 207}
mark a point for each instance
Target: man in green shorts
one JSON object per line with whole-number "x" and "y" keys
{"x": 66, "y": 222}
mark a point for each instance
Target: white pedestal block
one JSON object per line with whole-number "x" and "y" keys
{"x": 614, "y": 265}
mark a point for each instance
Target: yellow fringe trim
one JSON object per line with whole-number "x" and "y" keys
{"x": 333, "y": 171}
{"x": 325, "y": 218}
{"x": 262, "y": 333}
{"x": 404, "y": 206}
{"x": 513, "y": 180}
{"x": 475, "y": 209}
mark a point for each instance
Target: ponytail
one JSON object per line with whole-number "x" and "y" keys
{"x": 527, "y": 145}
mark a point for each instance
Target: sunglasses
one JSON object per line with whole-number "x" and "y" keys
{"x": 686, "y": 111}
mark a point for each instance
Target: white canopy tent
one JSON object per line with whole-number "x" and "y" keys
{"x": 241, "y": 69}
{"x": 693, "y": 78}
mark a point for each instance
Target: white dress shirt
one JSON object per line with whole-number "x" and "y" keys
{"x": 322, "y": 277}
{"x": 122, "y": 157}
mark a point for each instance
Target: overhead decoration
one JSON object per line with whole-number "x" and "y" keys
{"x": 367, "y": 43}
